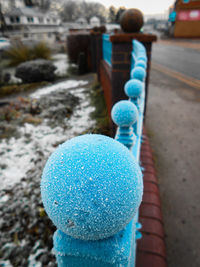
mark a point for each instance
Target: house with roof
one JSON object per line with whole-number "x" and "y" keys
{"x": 32, "y": 24}
{"x": 95, "y": 21}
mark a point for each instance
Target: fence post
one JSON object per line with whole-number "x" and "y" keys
{"x": 91, "y": 189}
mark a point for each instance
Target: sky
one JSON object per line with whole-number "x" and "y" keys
{"x": 146, "y": 6}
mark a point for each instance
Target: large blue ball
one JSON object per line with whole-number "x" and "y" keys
{"x": 91, "y": 187}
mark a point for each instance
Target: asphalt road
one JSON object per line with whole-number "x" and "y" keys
{"x": 173, "y": 125}
{"x": 178, "y": 58}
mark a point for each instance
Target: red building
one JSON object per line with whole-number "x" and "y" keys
{"x": 187, "y": 23}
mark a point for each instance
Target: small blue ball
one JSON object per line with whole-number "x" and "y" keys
{"x": 91, "y": 187}
{"x": 133, "y": 88}
{"x": 138, "y": 73}
{"x": 141, "y": 63}
{"x": 142, "y": 56}
{"x": 124, "y": 113}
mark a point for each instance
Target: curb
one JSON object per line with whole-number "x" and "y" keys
{"x": 151, "y": 251}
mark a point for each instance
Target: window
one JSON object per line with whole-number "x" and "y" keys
{"x": 15, "y": 19}
{"x": 30, "y": 19}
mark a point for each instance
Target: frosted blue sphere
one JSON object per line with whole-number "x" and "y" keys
{"x": 91, "y": 187}
{"x": 124, "y": 113}
{"x": 133, "y": 88}
{"x": 141, "y": 63}
{"x": 138, "y": 73}
{"x": 143, "y": 57}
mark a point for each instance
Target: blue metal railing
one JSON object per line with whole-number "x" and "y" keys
{"x": 107, "y": 48}
{"x": 131, "y": 134}
{"x": 92, "y": 186}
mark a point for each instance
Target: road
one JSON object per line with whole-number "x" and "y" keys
{"x": 178, "y": 58}
{"x": 173, "y": 125}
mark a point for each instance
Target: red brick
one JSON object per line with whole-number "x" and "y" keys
{"x": 151, "y": 198}
{"x": 151, "y": 211}
{"x": 152, "y": 226}
{"x": 147, "y": 161}
{"x": 151, "y": 187}
{"x": 151, "y": 244}
{"x": 146, "y": 154}
{"x": 122, "y": 47}
{"x": 149, "y": 177}
{"x": 146, "y": 147}
{"x": 118, "y": 57}
{"x": 121, "y": 66}
{"x": 148, "y": 168}
{"x": 149, "y": 260}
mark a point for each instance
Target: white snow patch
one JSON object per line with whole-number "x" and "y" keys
{"x": 58, "y": 87}
{"x": 18, "y": 155}
{"x": 5, "y": 198}
{"x": 61, "y": 63}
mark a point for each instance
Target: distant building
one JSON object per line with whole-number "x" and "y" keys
{"x": 185, "y": 18}
{"x": 82, "y": 22}
{"x": 7, "y": 5}
{"x": 95, "y": 22}
{"x": 31, "y": 24}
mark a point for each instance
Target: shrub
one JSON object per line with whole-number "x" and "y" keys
{"x": 20, "y": 53}
{"x": 41, "y": 50}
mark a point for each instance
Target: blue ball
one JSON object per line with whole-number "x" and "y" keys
{"x": 133, "y": 88}
{"x": 124, "y": 113}
{"x": 138, "y": 73}
{"x": 91, "y": 187}
{"x": 142, "y": 56}
{"x": 141, "y": 63}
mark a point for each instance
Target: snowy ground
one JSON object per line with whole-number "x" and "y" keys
{"x": 26, "y": 233}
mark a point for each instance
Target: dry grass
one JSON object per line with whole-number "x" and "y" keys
{"x": 20, "y": 53}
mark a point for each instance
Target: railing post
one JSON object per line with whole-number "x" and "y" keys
{"x": 91, "y": 189}
{"x": 125, "y": 115}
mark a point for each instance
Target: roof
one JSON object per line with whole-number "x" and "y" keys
{"x": 27, "y": 11}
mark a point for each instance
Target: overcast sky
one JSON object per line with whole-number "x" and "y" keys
{"x": 146, "y": 6}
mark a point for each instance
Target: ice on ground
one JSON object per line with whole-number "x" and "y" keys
{"x": 18, "y": 156}
{"x": 56, "y": 87}
{"x": 61, "y": 63}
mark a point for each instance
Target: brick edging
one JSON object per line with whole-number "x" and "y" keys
{"x": 151, "y": 250}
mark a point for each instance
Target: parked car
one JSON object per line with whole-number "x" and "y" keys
{"x": 4, "y": 43}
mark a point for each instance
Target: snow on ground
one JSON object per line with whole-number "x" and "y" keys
{"x": 61, "y": 63}
{"x": 19, "y": 155}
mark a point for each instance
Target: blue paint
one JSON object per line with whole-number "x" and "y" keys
{"x": 86, "y": 192}
{"x": 124, "y": 113}
{"x": 113, "y": 251}
{"x": 141, "y": 63}
{"x": 107, "y": 48}
{"x": 138, "y": 73}
{"x": 134, "y": 88}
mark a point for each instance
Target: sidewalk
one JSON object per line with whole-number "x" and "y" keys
{"x": 173, "y": 125}
{"x": 186, "y": 43}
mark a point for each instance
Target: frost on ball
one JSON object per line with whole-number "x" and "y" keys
{"x": 138, "y": 73}
{"x": 133, "y": 88}
{"x": 124, "y": 113}
{"x": 91, "y": 187}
